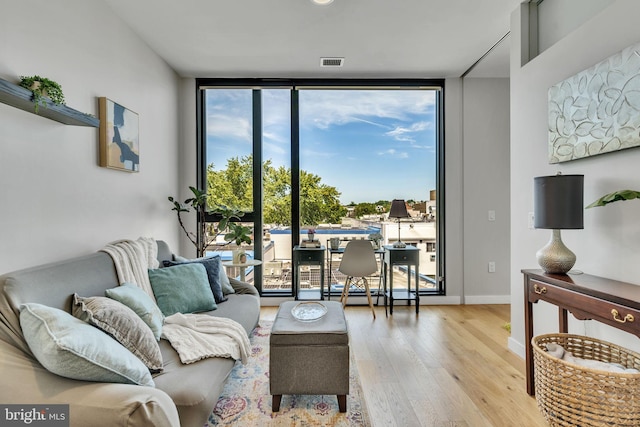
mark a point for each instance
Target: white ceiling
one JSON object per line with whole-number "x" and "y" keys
{"x": 287, "y": 38}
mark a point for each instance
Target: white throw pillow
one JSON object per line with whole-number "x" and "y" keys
{"x": 74, "y": 349}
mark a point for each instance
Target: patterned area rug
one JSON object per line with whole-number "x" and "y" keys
{"x": 245, "y": 400}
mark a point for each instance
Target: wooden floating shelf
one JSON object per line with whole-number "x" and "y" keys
{"x": 21, "y": 98}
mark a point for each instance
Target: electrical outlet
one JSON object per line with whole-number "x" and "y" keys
{"x": 492, "y": 267}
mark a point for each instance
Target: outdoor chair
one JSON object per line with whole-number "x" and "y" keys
{"x": 358, "y": 262}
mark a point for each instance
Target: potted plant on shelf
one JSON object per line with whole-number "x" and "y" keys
{"x": 238, "y": 234}
{"x": 375, "y": 240}
{"x": 311, "y": 232}
{"x": 208, "y": 233}
{"x": 42, "y": 87}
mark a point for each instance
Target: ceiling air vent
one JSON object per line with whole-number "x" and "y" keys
{"x": 331, "y": 62}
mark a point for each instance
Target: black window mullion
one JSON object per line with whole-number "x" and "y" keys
{"x": 295, "y": 167}
{"x": 257, "y": 185}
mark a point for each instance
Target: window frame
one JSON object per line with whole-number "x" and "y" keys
{"x": 256, "y": 85}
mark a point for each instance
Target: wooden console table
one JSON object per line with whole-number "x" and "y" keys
{"x": 587, "y": 297}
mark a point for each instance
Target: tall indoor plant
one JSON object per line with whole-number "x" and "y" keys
{"x": 207, "y": 233}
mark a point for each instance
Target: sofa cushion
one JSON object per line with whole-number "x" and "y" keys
{"x": 74, "y": 349}
{"x": 121, "y": 323}
{"x": 183, "y": 288}
{"x": 212, "y": 265}
{"x": 225, "y": 284}
{"x": 144, "y": 306}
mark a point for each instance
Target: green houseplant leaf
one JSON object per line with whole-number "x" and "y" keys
{"x": 208, "y": 232}
{"x": 614, "y": 197}
{"x": 42, "y": 87}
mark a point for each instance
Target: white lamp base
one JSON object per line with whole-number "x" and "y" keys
{"x": 555, "y": 257}
{"x": 399, "y": 244}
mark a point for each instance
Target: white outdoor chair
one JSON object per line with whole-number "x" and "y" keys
{"x": 358, "y": 261}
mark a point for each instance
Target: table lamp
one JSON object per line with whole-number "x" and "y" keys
{"x": 558, "y": 205}
{"x": 398, "y": 210}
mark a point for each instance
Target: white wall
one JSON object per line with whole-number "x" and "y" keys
{"x": 609, "y": 245}
{"x": 56, "y": 201}
{"x": 453, "y": 193}
{"x": 559, "y": 18}
{"x": 486, "y": 188}
{"x": 476, "y": 146}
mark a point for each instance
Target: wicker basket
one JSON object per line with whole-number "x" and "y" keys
{"x": 572, "y": 395}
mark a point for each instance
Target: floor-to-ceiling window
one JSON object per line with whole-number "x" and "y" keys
{"x": 328, "y": 156}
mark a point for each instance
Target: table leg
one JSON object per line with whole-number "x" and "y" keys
{"x": 322, "y": 282}
{"x": 384, "y": 291}
{"x": 330, "y": 270}
{"x": 417, "y": 290}
{"x": 563, "y": 323}
{"x": 391, "y": 289}
{"x": 528, "y": 330}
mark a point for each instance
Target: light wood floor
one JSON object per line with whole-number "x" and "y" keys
{"x": 448, "y": 366}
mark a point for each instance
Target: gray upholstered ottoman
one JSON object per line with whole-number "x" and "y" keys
{"x": 309, "y": 357}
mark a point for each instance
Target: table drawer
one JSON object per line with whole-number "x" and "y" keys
{"x": 585, "y": 306}
{"x": 402, "y": 257}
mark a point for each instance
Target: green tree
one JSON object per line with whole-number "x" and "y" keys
{"x": 364, "y": 209}
{"x": 233, "y": 186}
{"x": 276, "y": 194}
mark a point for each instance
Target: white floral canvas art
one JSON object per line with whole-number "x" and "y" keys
{"x": 597, "y": 110}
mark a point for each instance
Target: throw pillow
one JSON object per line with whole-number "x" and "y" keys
{"x": 224, "y": 281}
{"x": 225, "y": 284}
{"x": 74, "y": 349}
{"x": 139, "y": 301}
{"x": 183, "y": 288}
{"x": 121, "y": 323}
{"x": 212, "y": 265}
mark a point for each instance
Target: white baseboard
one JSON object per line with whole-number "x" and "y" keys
{"x": 487, "y": 299}
{"x": 362, "y": 300}
{"x": 516, "y": 347}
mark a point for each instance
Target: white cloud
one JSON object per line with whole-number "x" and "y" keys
{"x": 324, "y": 108}
{"x": 392, "y": 152}
{"x": 318, "y": 108}
{"x": 403, "y": 133}
{"x": 227, "y": 126}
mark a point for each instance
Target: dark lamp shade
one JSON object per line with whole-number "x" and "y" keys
{"x": 398, "y": 209}
{"x": 558, "y": 202}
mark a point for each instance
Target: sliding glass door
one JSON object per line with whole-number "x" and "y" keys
{"x": 315, "y": 155}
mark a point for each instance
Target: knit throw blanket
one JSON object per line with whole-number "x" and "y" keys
{"x": 193, "y": 336}
{"x": 197, "y": 336}
{"x": 132, "y": 259}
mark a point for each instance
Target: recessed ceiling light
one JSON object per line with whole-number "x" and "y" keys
{"x": 322, "y": 2}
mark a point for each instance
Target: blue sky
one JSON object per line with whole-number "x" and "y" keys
{"x": 370, "y": 144}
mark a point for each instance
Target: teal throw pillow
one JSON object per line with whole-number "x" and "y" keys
{"x": 142, "y": 304}
{"x": 212, "y": 265}
{"x": 123, "y": 324}
{"x": 225, "y": 284}
{"x": 74, "y": 349}
{"x": 182, "y": 289}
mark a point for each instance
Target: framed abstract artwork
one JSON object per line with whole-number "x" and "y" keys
{"x": 597, "y": 110}
{"x": 119, "y": 138}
